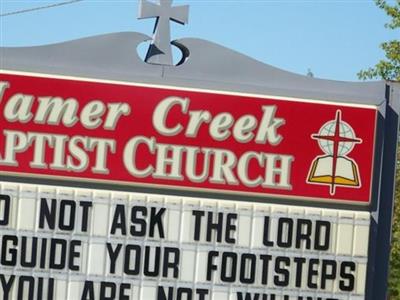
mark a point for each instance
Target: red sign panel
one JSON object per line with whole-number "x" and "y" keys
{"x": 185, "y": 139}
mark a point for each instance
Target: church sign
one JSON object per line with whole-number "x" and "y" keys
{"x": 132, "y": 180}
{"x": 202, "y": 140}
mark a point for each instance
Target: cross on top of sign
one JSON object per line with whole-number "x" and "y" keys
{"x": 160, "y": 51}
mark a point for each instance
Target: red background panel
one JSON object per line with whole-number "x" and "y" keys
{"x": 302, "y": 119}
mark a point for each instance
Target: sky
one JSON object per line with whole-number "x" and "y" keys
{"x": 335, "y": 38}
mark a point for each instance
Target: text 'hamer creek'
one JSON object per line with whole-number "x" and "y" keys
{"x": 61, "y": 141}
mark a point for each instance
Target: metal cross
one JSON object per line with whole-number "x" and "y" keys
{"x": 160, "y": 51}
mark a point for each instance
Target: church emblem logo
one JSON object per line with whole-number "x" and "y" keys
{"x": 337, "y": 139}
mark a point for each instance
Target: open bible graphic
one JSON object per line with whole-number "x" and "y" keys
{"x": 336, "y": 139}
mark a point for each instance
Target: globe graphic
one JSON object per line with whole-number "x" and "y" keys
{"x": 329, "y": 130}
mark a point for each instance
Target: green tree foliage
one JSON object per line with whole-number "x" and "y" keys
{"x": 388, "y": 68}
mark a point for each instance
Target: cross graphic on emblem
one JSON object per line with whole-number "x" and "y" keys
{"x": 160, "y": 51}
